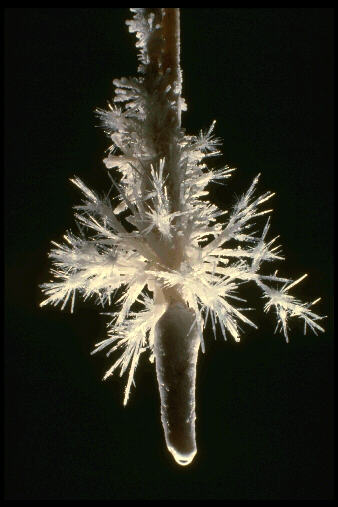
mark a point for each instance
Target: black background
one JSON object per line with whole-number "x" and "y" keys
{"x": 264, "y": 408}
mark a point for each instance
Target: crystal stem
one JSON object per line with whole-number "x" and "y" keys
{"x": 176, "y": 348}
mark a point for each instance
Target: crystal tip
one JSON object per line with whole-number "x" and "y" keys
{"x": 182, "y": 459}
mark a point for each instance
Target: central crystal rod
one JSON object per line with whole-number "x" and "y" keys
{"x": 176, "y": 348}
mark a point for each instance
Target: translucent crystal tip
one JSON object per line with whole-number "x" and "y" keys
{"x": 182, "y": 459}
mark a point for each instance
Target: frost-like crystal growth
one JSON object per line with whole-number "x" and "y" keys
{"x": 177, "y": 259}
